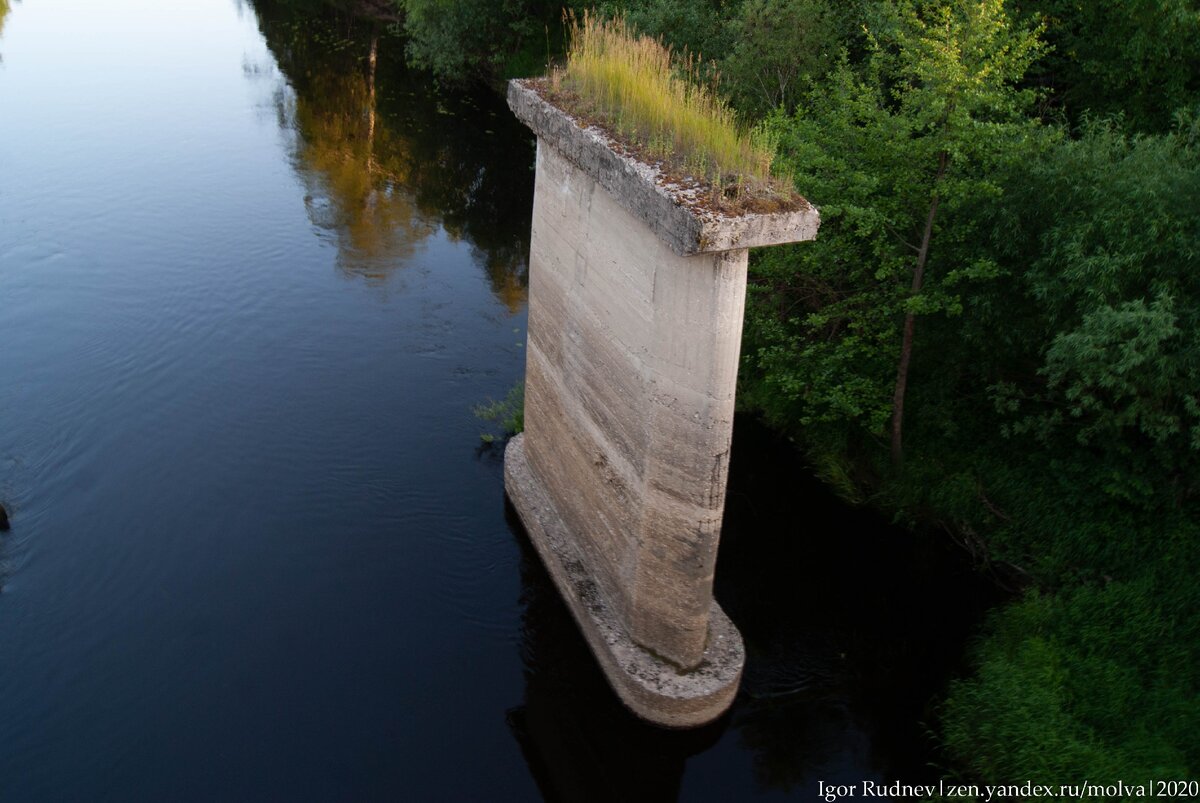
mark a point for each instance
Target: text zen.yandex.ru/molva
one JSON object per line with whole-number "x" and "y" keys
{"x": 1025, "y": 791}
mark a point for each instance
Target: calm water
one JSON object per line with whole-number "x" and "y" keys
{"x": 250, "y": 289}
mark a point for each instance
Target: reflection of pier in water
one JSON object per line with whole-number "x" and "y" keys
{"x": 580, "y": 743}
{"x": 848, "y": 633}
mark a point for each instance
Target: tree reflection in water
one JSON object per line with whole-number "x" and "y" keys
{"x": 356, "y": 179}
{"x": 5, "y": 7}
{"x": 387, "y": 158}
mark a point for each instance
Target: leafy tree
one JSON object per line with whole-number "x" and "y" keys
{"x": 958, "y": 67}
{"x": 1137, "y": 59}
{"x": 463, "y": 39}
{"x": 892, "y": 155}
{"x": 779, "y": 45}
{"x": 699, "y": 27}
{"x": 1103, "y": 290}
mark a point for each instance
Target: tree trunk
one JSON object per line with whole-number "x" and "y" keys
{"x": 371, "y": 60}
{"x": 910, "y": 323}
{"x": 372, "y": 189}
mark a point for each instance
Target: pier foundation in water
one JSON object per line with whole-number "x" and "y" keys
{"x": 636, "y": 295}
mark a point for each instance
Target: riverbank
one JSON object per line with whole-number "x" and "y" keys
{"x": 984, "y": 344}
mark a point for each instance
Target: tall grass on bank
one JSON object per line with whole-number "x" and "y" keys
{"x": 634, "y": 86}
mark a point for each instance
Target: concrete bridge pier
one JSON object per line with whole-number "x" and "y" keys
{"x": 635, "y": 321}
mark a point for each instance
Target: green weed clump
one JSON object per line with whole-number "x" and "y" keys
{"x": 508, "y": 413}
{"x": 634, "y": 86}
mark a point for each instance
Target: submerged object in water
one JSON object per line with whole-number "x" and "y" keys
{"x": 3, "y": 519}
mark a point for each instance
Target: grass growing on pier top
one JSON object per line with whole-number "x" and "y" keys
{"x": 633, "y": 86}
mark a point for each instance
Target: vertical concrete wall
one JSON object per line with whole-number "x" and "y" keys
{"x": 631, "y": 371}
{"x": 635, "y": 323}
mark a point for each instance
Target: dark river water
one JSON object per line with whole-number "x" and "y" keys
{"x": 251, "y": 288}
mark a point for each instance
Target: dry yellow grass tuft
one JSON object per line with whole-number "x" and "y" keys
{"x": 633, "y": 86}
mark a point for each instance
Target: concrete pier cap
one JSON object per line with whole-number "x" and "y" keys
{"x": 636, "y": 295}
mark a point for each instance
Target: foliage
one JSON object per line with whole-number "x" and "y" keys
{"x": 507, "y": 413}
{"x": 920, "y": 131}
{"x": 779, "y": 48}
{"x": 1086, "y": 473}
{"x": 1119, "y": 371}
{"x": 459, "y": 40}
{"x": 629, "y": 82}
{"x": 1137, "y": 59}
{"x": 761, "y": 53}
{"x": 1055, "y": 385}
{"x": 1096, "y": 682}
{"x": 1108, "y": 311}
{"x": 702, "y": 27}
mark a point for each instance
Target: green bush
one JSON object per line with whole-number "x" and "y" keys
{"x": 1138, "y": 60}
{"x": 1096, "y": 682}
{"x": 700, "y": 27}
{"x": 779, "y": 47}
{"x": 459, "y": 40}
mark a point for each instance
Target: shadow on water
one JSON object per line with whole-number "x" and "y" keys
{"x": 386, "y": 156}
{"x": 578, "y": 740}
{"x": 853, "y": 627}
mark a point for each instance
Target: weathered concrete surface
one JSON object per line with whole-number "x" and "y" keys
{"x": 651, "y": 687}
{"x": 635, "y": 324}
{"x": 643, "y": 190}
{"x": 630, "y": 373}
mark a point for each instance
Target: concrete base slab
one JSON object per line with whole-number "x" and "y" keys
{"x": 651, "y": 687}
